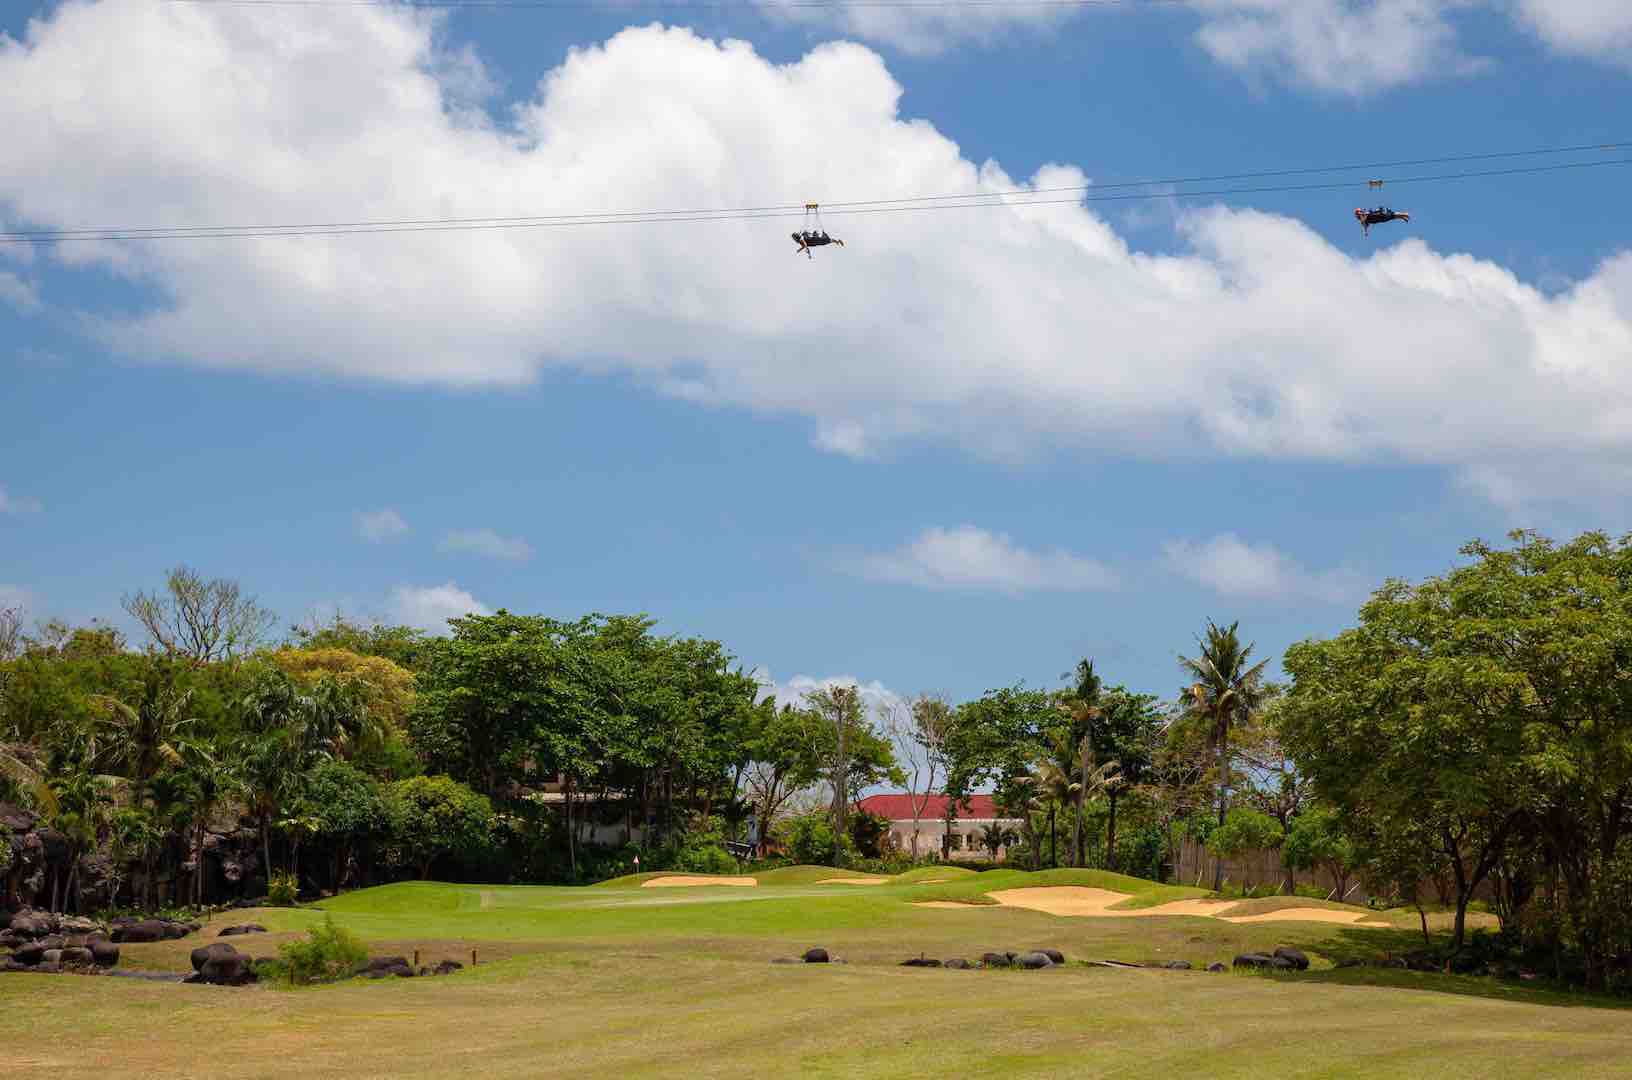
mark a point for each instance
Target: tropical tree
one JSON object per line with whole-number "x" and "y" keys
{"x": 1225, "y": 691}
{"x": 996, "y": 836}
{"x": 147, "y": 734}
{"x": 430, "y": 816}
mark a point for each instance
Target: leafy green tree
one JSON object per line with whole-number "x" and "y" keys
{"x": 1126, "y": 728}
{"x": 1316, "y": 839}
{"x": 430, "y": 816}
{"x": 785, "y": 758}
{"x": 1244, "y": 830}
{"x": 1225, "y": 691}
{"x": 347, "y": 807}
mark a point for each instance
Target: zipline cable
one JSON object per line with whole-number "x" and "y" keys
{"x": 658, "y": 217}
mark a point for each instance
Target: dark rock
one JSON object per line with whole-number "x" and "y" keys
{"x": 47, "y": 967}
{"x": 921, "y": 961}
{"x": 1281, "y": 963}
{"x": 958, "y": 963}
{"x": 31, "y": 924}
{"x": 1033, "y": 961}
{"x": 1257, "y": 961}
{"x": 15, "y": 819}
{"x": 104, "y": 952}
{"x": 816, "y": 956}
{"x": 174, "y": 931}
{"x": 145, "y": 931}
{"x": 14, "y": 965}
{"x": 29, "y": 954}
{"x": 1053, "y": 954}
{"x": 1177, "y": 965}
{"x": 247, "y": 928}
{"x": 205, "y": 953}
{"x": 1422, "y": 961}
{"x": 74, "y": 924}
{"x": 234, "y": 969}
{"x": 1350, "y": 963}
{"x": 1466, "y": 963}
{"x": 80, "y": 956}
{"x": 193, "y": 927}
{"x": 383, "y": 967}
{"x": 996, "y": 960}
{"x": 1299, "y": 961}
{"x": 448, "y": 967}
{"x": 51, "y": 956}
{"x": 1216, "y": 967}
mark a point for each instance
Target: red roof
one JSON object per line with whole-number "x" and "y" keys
{"x": 898, "y": 807}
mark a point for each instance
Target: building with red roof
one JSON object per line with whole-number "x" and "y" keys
{"x": 965, "y": 839}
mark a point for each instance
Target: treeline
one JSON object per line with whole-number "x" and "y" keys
{"x": 1470, "y": 736}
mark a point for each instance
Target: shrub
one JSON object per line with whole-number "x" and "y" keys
{"x": 809, "y": 839}
{"x": 329, "y": 952}
{"x": 283, "y": 889}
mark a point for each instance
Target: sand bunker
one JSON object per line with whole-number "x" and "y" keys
{"x": 933, "y": 880}
{"x": 1083, "y": 901}
{"x": 677, "y": 880}
{"x": 947, "y": 904}
{"x": 854, "y": 881}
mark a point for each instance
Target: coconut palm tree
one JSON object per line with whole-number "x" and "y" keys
{"x": 148, "y": 733}
{"x": 1226, "y": 691}
{"x": 996, "y": 836}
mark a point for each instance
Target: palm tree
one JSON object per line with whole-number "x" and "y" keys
{"x": 1084, "y": 710}
{"x": 1225, "y": 692}
{"x": 995, "y": 837}
{"x": 150, "y": 730}
{"x": 1057, "y": 784}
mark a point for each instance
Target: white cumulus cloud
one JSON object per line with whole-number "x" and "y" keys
{"x": 1341, "y": 46}
{"x": 875, "y": 696}
{"x": 926, "y": 29}
{"x": 429, "y": 607}
{"x": 1015, "y": 330}
{"x": 967, "y": 557}
{"x": 1230, "y": 566}
{"x": 488, "y": 543}
{"x": 1595, "y": 28}
{"x": 378, "y": 525}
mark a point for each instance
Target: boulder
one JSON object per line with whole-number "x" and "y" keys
{"x": 1033, "y": 961}
{"x": 384, "y": 967}
{"x": 174, "y": 931}
{"x": 205, "y": 953}
{"x": 1053, "y": 954}
{"x": 996, "y": 960}
{"x": 29, "y": 954}
{"x": 79, "y": 957}
{"x": 921, "y": 961}
{"x": 1351, "y": 962}
{"x": 247, "y": 928}
{"x": 103, "y": 952}
{"x": 1299, "y": 961}
{"x": 1255, "y": 961}
{"x": 32, "y": 924}
{"x": 1177, "y": 965}
{"x": 1216, "y": 967}
{"x": 1281, "y": 963}
{"x": 225, "y": 969}
{"x": 448, "y": 967}
{"x": 74, "y": 924}
{"x": 51, "y": 956}
{"x": 144, "y": 931}
{"x": 47, "y": 967}
{"x": 958, "y": 963}
{"x": 816, "y": 956}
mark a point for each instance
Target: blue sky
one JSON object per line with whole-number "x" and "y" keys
{"x": 965, "y": 450}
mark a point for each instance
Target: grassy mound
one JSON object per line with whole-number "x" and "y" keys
{"x": 805, "y": 875}
{"x": 930, "y": 873}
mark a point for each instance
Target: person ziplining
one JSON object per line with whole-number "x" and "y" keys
{"x": 812, "y": 235}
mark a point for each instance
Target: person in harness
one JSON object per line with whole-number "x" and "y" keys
{"x": 807, "y": 240}
{"x": 1380, "y": 216}
{"x": 813, "y": 235}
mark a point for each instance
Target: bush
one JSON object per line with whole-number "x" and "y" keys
{"x": 283, "y": 889}
{"x": 329, "y": 952}
{"x": 809, "y": 839}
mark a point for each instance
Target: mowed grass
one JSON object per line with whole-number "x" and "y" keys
{"x": 677, "y": 982}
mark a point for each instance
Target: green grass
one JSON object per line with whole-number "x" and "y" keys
{"x": 630, "y": 982}
{"x": 931, "y": 873}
